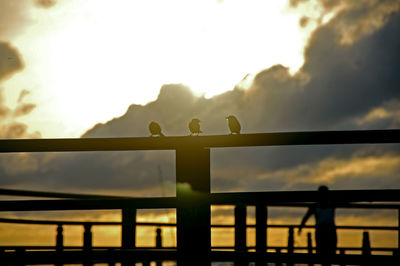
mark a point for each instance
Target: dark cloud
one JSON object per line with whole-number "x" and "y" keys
{"x": 10, "y": 60}
{"x": 355, "y": 19}
{"x": 45, "y": 3}
{"x": 347, "y": 81}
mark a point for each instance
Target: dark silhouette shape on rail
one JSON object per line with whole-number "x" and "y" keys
{"x": 233, "y": 124}
{"x": 155, "y": 129}
{"x": 325, "y": 229}
{"x": 194, "y": 127}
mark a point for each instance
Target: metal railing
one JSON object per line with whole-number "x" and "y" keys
{"x": 193, "y": 209}
{"x": 240, "y": 247}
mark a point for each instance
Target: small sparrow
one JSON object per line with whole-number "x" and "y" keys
{"x": 233, "y": 124}
{"x": 194, "y": 127}
{"x": 155, "y": 129}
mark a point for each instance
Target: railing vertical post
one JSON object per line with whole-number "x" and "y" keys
{"x": 342, "y": 253}
{"x": 290, "y": 247}
{"x": 59, "y": 238}
{"x": 366, "y": 245}
{"x": 112, "y": 261}
{"x": 366, "y": 249}
{"x": 20, "y": 256}
{"x": 59, "y": 242}
{"x": 128, "y": 232}
{"x": 87, "y": 243}
{"x": 261, "y": 233}
{"x": 87, "y": 237}
{"x": 1, "y": 254}
{"x": 278, "y": 261}
{"x": 309, "y": 246}
{"x": 193, "y": 210}
{"x": 158, "y": 244}
{"x": 240, "y": 233}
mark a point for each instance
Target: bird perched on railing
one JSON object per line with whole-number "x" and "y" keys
{"x": 233, "y": 124}
{"x": 194, "y": 126}
{"x": 155, "y": 129}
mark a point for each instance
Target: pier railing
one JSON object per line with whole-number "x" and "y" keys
{"x": 218, "y": 253}
{"x": 193, "y": 207}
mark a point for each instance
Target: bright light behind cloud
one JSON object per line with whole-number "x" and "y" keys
{"x": 97, "y": 57}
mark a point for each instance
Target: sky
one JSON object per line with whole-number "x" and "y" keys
{"x": 100, "y": 58}
{"x": 106, "y": 69}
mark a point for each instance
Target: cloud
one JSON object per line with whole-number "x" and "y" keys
{"x": 350, "y": 172}
{"x": 13, "y": 15}
{"x": 22, "y": 95}
{"x": 343, "y": 75}
{"x": 385, "y": 116}
{"x": 14, "y": 164}
{"x": 4, "y": 110}
{"x": 16, "y": 130}
{"x": 24, "y": 109}
{"x": 10, "y": 61}
{"x": 361, "y": 18}
{"x": 304, "y": 21}
{"x": 45, "y": 3}
{"x": 13, "y": 130}
{"x": 295, "y": 3}
{"x": 355, "y": 19}
{"x": 20, "y": 163}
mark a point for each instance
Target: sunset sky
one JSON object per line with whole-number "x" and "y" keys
{"x": 101, "y": 68}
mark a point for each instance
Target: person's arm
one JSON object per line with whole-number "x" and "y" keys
{"x": 305, "y": 218}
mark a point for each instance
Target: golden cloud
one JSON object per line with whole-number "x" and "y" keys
{"x": 389, "y": 110}
{"x": 330, "y": 170}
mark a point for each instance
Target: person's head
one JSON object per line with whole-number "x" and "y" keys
{"x": 323, "y": 194}
{"x": 323, "y": 188}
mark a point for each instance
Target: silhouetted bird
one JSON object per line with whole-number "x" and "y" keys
{"x": 234, "y": 125}
{"x": 194, "y": 126}
{"x": 155, "y": 129}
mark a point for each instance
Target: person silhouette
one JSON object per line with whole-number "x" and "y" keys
{"x": 325, "y": 229}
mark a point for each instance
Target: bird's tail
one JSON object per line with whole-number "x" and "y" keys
{"x": 161, "y": 134}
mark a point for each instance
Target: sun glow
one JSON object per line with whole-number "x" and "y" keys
{"x": 100, "y": 57}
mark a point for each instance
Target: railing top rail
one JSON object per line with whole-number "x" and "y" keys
{"x": 211, "y": 141}
{"x": 67, "y": 222}
{"x": 43, "y": 194}
{"x": 103, "y": 223}
{"x": 339, "y": 198}
{"x": 88, "y": 204}
{"x": 54, "y": 222}
{"x": 216, "y": 198}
